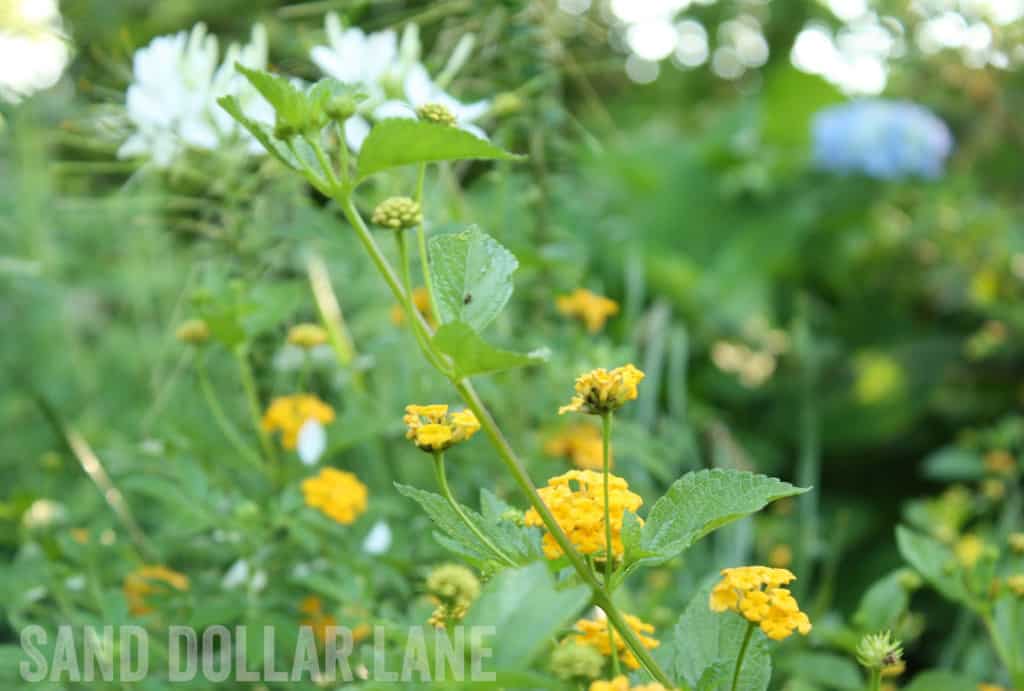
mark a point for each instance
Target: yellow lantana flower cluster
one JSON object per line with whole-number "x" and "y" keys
{"x": 420, "y": 300}
{"x": 307, "y": 335}
{"x": 287, "y": 415}
{"x": 576, "y": 499}
{"x": 591, "y": 308}
{"x": 601, "y": 391}
{"x": 338, "y": 494}
{"x": 581, "y": 444}
{"x": 756, "y": 592}
{"x": 150, "y": 580}
{"x": 594, "y": 632}
{"x": 433, "y": 429}
{"x": 621, "y": 683}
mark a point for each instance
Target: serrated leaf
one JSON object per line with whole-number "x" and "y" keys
{"x": 291, "y": 105}
{"x": 399, "y": 142}
{"x": 704, "y": 640}
{"x": 263, "y": 133}
{"x": 471, "y": 355}
{"x": 700, "y": 502}
{"x": 448, "y": 522}
{"x": 526, "y": 610}
{"x": 472, "y": 276}
{"x": 935, "y": 562}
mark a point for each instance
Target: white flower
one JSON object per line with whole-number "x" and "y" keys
{"x": 312, "y": 442}
{"x": 44, "y": 513}
{"x": 378, "y": 540}
{"x": 236, "y": 575}
{"x": 421, "y": 90}
{"x": 172, "y": 101}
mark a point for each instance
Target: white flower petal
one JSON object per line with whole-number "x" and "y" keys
{"x": 356, "y": 131}
{"x": 236, "y": 575}
{"x": 378, "y": 540}
{"x": 312, "y": 442}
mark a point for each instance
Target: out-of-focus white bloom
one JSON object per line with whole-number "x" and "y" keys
{"x": 33, "y": 48}
{"x": 43, "y": 513}
{"x": 172, "y": 101}
{"x": 236, "y": 575}
{"x": 75, "y": 583}
{"x": 392, "y": 75}
{"x": 378, "y": 540}
{"x": 312, "y": 442}
{"x": 258, "y": 582}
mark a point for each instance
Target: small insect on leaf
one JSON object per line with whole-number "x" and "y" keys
{"x": 468, "y": 298}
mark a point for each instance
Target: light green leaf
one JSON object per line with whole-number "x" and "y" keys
{"x": 935, "y": 562}
{"x": 704, "y": 640}
{"x": 526, "y": 610}
{"x": 263, "y": 133}
{"x": 293, "y": 108}
{"x": 827, "y": 670}
{"x": 472, "y": 276}
{"x": 399, "y": 142}
{"x": 883, "y": 604}
{"x": 954, "y": 464}
{"x": 471, "y": 355}
{"x": 701, "y": 502}
{"x": 939, "y": 680}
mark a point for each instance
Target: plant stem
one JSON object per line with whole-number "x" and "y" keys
{"x": 422, "y": 337}
{"x": 742, "y": 654}
{"x": 421, "y": 239}
{"x": 875, "y": 681}
{"x": 220, "y": 417}
{"x": 442, "y": 482}
{"x": 609, "y": 552}
{"x": 601, "y": 597}
{"x": 252, "y": 397}
{"x": 332, "y": 317}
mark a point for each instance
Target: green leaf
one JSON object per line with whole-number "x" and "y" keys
{"x": 939, "y": 680}
{"x": 472, "y": 276}
{"x": 828, "y": 670}
{"x": 953, "y": 464}
{"x": 701, "y": 502}
{"x": 471, "y": 355}
{"x": 263, "y": 133}
{"x": 400, "y": 142}
{"x": 293, "y": 108}
{"x": 704, "y": 640}
{"x": 526, "y": 611}
{"x": 882, "y": 605}
{"x": 935, "y": 562}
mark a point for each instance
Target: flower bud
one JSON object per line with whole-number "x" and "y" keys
{"x": 307, "y": 335}
{"x": 879, "y": 651}
{"x": 397, "y": 213}
{"x": 572, "y": 662}
{"x": 193, "y": 332}
{"x": 436, "y": 113}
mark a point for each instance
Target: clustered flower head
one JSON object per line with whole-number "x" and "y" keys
{"x": 594, "y": 632}
{"x": 756, "y": 592}
{"x": 193, "y": 332}
{"x": 880, "y": 651}
{"x": 433, "y": 429}
{"x": 307, "y": 335}
{"x": 316, "y": 618}
{"x": 588, "y": 306}
{"x": 151, "y": 580}
{"x": 581, "y": 444}
{"x": 882, "y": 139}
{"x": 454, "y": 588}
{"x": 572, "y": 661}
{"x": 420, "y": 300}
{"x": 436, "y": 113}
{"x": 621, "y": 683}
{"x": 337, "y": 493}
{"x": 397, "y": 213}
{"x": 1000, "y": 462}
{"x": 287, "y": 415}
{"x": 601, "y": 391}
{"x": 576, "y": 500}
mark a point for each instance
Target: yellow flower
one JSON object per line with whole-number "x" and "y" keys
{"x": 1016, "y": 541}
{"x": 338, "y": 494}
{"x": 316, "y": 618}
{"x": 150, "y": 580}
{"x": 433, "y": 429}
{"x": 576, "y": 499}
{"x": 581, "y": 444}
{"x": 781, "y": 556}
{"x": 592, "y": 308}
{"x": 193, "y": 331}
{"x": 421, "y": 300}
{"x": 1000, "y": 462}
{"x": 991, "y": 687}
{"x": 594, "y": 632}
{"x": 968, "y": 550}
{"x": 287, "y": 415}
{"x": 307, "y": 335}
{"x": 756, "y": 592}
{"x": 1016, "y": 584}
{"x": 600, "y": 391}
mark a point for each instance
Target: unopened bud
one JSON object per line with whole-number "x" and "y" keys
{"x": 397, "y": 213}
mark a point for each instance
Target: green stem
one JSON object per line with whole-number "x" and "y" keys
{"x": 422, "y": 338}
{"x": 742, "y": 654}
{"x": 253, "y": 399}
{"x": 325, "y": 164}
{"x": 875, "y": 681}
{"x": 601, "y": 597}
{"x": 442, "y": 482}
{"x": 421, "y": 239}
{"x": 609, "y": 558}
{"x": 217, "y": 410}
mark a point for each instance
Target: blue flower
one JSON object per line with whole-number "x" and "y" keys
{"x": 881, "y": 139}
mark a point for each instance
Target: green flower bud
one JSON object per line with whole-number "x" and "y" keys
{"x": 453, "y": 585}
{"x": 341, "y": 108}
{"x": 573, "y": 662}
{"x": 507, "y": 103}
{"x": 879, "y": 651}
{"x": 436, "y": 113}
{"x": 909, "y": 579}
{"x": 397, "y": 213}
{"x": 193, "y": 332}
